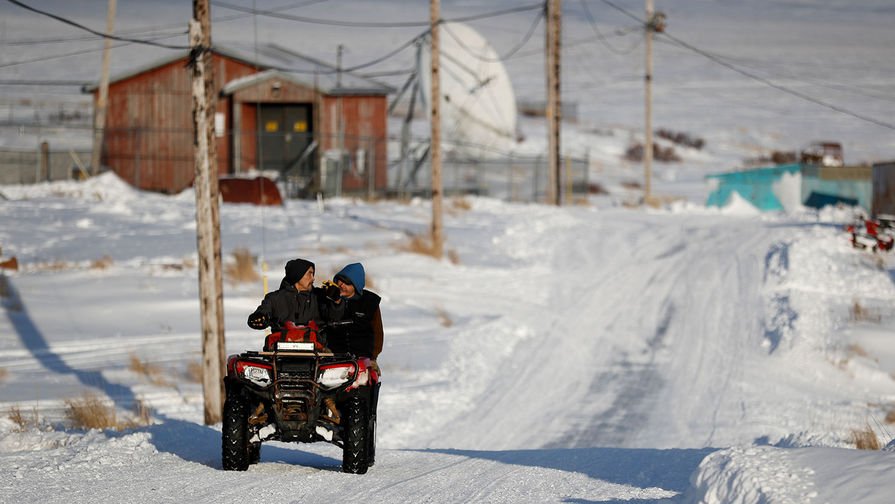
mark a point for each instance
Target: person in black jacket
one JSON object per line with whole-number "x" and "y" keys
{"x": 297, "y": 300}
{"x": 364, "y": 337}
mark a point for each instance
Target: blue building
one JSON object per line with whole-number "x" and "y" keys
{"x": 772, "y": 188}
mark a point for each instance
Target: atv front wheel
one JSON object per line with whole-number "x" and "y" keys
{"x": 356, "y": 438}
{"x": 235, "y": 454}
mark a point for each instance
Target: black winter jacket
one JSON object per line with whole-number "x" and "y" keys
{"x": 288, "y": 304}
{"x": 363, "y": 337}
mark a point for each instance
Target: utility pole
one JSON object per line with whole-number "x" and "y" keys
{"x": 340, "y": 124}
{"x": 207, "y": 213}
{"x": 99, "y": 117}
{"x": 648, "y": 98}
{"x": 435, "y": 146}
{"x": 554, "y": 107}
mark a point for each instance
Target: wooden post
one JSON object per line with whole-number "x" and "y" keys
{"x": 648, "y": 107}
{"x": 44, "y": 162}
{"x": 435, "y": 147}
{"x": 554, "y": 108}
{"x": 207, "y": 217}
{"x": 99, "y": 117}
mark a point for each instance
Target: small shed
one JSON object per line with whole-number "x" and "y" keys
{"x": 768, "y": 188}
{"x": 831, "y": 185}
{"x": 318, "y": 128}
{"x": 884, "y": 188}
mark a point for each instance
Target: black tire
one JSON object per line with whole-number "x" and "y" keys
{"x": 235, "y": 454}
{"x": 371, "y": 441}
{"x": 254, "y": 453}
{"x": 356, "y": 436}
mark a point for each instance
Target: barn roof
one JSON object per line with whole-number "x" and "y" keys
{"x": 287, "y": 64}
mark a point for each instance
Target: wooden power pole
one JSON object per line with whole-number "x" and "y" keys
{"x": 648, "y": 107}
{"x": 207, "y": 213}
{"x": 435, "y": 146}
{"x": 554, "y": 107}
{"x": 99, "y": 117}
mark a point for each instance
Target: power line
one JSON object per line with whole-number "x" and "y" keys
{"x": 373, "y": 24}
{"x": 41, "y": 83}
{"x": 91, "y": 30}
{"x": 602, "y": 38}
{"x": 150, "y": 30}
{"x": 779, "y": 87}
{"x": 510, "y": 53}
{"x": 66, "y": 55}
{"x": 758, "y": 78}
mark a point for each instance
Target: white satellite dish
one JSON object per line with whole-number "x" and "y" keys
{"x": 478, "y": 106}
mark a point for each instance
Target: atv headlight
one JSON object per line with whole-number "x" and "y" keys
{"x": 255, "y": 373}
{"x": 335, "y": 375}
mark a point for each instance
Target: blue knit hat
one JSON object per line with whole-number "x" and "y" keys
{"x": 353, "y": 274}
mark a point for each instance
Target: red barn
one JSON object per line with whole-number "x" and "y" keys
{"x": 277, "y": 111}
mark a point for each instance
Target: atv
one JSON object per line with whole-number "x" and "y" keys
{"x": 296, "y": 390}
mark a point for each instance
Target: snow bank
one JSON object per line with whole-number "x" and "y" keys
{"x": 750, "y": 474}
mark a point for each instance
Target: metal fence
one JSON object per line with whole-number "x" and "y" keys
{"x": 148, "y": 157}
{"x": 30, "y": 166}
{"x": 510, "y": 178}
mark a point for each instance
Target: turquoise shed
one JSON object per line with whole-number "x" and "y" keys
{"x": 754, "y": 185}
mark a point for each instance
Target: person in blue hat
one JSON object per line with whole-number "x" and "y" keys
{"x": 296, "y": 301}
{"x": 364, "y": 337}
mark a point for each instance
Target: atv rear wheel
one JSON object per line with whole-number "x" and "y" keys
{"x": 254, "y": 453}
{"x": 371, "y": 442}
{"x": 356, "y": 438}
{"x": 235, "y": 454}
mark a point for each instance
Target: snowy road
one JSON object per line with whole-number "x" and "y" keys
{"x": 573, "y": 355}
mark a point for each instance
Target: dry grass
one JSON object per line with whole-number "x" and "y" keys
{"x": 461, "y": 204}
{"x": 102, "y": 263}
{"x": 194, "y": 371}
{"x": 443, "y": 317}
{"x": 242, "y": 269}
{"x": 186, "y": 263}
{"x": 855, "y": 349}
{"x": 865, "y": 439}
{"x": 22, "y": 422}
{"x": 91, "y": 412}
{"x": 422, "y": 245}
{"x": 859, "y": 313}
{"x": 890, "y": 417}
{"x": 150, "y": 371}
{"x": 51, "y": 266}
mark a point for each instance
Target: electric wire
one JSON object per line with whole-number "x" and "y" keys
{"x": 150, "y": 30}
{"x": 374, "y": 24}
{"x": 95, "y": 32}
{"x": 602, "y": 38}
{"x": 777, "y": 86}
{"x": 756, "y": 77}
{"x": 510, "y": 53}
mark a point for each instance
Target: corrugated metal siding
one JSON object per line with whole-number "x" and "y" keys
{"x": 365, "y": 128}
{"x": 756, "y": 186}
{"x": 827, "y": 184}
{"x": 883, "y": 188}
{"x": 149, "y": 139}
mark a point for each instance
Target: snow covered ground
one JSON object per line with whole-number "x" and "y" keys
{"x": 583, "y": 354}
{"x": 579, "y": 354}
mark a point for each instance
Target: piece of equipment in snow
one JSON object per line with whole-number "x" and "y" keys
{"x": 295, "y": 390}
{"x": 478, "y": 106}
{"x": 256, "y": 190}
{"x": 872, "y": 234}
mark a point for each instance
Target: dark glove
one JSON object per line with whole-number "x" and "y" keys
{"x": 331, "y": 291}
{"x": 258, "y": 320}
